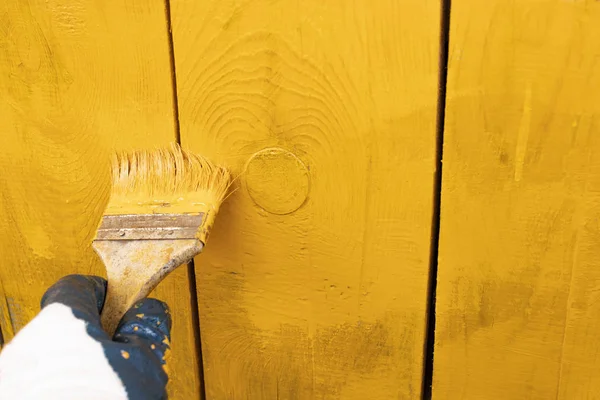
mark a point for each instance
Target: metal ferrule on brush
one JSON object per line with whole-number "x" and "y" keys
{"x": 154, "y": 227}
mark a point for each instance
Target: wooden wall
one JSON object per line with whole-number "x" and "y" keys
{"x": 315, "y": 282}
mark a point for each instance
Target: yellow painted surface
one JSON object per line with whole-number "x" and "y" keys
{"x": 78, "y": 79}
{"x": 517, "y": 301}
{"x": 313, "y": 285}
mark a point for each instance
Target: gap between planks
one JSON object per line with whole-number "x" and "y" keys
{"x": 437, "y": 200}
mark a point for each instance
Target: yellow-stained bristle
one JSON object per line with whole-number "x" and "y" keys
{"x": 167, "y": 180}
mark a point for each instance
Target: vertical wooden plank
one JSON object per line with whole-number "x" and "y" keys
{"x": 6, "y": 328}
{"x": 78, "y": 79}
{"x": 314, "y": 282}
{"x": 517, "y": 282}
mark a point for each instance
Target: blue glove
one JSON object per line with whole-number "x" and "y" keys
{"x": 64, "y": 353}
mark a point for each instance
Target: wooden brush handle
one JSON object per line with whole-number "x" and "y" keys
{"x": 135, "y": 267}
{"x": 118, "y": 301}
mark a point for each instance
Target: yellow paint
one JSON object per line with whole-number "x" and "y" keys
{"x": 167, "y": 357}
{"x": 519, "y": 262}
{"x": 276, "y": 180}
{"x": 125, "y": 354}
{"x": 140, "y": 204}
{"x": 523, "y": 136}
{"x": 5, "y": 316}
{"x": 314, "y": 283}
{"x": 78, "y": 80}
{"x": 166, "y": 180}
{"x": 39, "y": 242}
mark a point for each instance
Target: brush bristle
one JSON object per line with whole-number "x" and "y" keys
{"x": 166, "y": 180}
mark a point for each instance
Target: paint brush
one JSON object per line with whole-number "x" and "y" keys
{"x": 162, "y": 206}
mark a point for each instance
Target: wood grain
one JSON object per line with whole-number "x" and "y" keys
{"x": 313, "y": 285}
{"x": 78, "y": 79}
{"x": 518, "y": 265}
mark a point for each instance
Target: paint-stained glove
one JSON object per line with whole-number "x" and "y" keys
{"x": 64, "y": 353}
